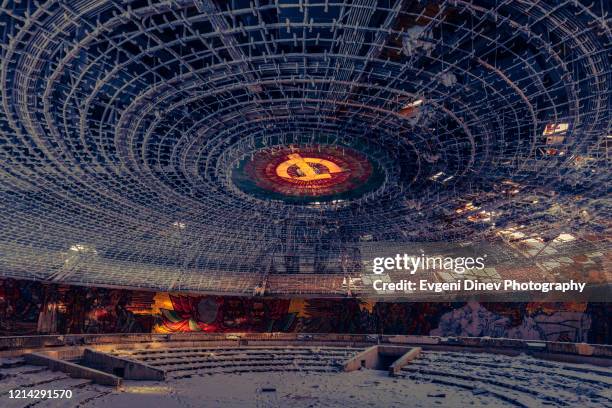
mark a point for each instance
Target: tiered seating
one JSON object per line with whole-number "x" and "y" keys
{"x": 185, "y": 362}
{"x": 519, "y": 380}
{"x": 16, "y": 374}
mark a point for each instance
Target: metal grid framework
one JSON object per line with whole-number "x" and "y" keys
{"x": 121, "y": 124}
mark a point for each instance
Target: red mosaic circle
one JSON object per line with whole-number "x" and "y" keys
{"x": 313, "y": 171}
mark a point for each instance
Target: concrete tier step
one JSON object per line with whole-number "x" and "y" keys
{"x": 251, "y": 369}
{"x": 518, "y": 377}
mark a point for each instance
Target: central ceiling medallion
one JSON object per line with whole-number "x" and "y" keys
{"x": 310, "y": 172}
{"x": 303, "y": 174}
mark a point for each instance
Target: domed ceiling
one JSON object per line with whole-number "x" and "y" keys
{"x": 206, "y": 145}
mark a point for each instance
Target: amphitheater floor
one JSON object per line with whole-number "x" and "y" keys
{"x": 365, "y": 388}
{"x": 310, "y": 377}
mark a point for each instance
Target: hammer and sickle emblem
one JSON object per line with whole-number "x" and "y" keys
{"x": 306, "y": 171}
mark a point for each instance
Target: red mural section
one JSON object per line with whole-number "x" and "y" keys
{"x": 178, "y": 313}
{"x": 35, "y": 308}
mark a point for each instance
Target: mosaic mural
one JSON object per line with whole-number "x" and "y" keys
{"x": 28, "y": 307}
{"x": 306, "y": 174}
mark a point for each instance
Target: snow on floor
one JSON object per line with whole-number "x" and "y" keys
{"x": 365, "y": 388}
{"x": 435, "y": 379}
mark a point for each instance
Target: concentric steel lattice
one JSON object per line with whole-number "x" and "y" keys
{"x": 123, "y": 126}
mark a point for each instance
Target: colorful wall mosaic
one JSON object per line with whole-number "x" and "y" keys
{"x": 28, "y": 307}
